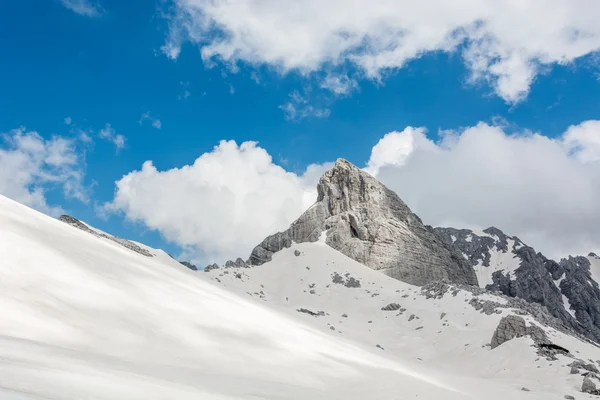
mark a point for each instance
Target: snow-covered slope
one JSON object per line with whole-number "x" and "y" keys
{"x": 84, "y": 317}
{"x": 444, "y": 337}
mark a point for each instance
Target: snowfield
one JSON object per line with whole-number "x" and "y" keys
{"x": 86, "y": 318}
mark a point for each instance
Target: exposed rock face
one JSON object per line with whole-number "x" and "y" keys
{"x": 567, "y": 288}
{"x": 189, "y": 265}
{"x": 513, "y": 326}
{"x": 123, "y": 242}
{"x": 370, "y": 224}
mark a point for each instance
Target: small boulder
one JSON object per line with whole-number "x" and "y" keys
{"x": 588, "y": 386}
{"x": 297, "y": 253}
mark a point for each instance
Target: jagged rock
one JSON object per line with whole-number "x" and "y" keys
{"x": 513, "y": 326}
{"x": 123, "y": 242}
{"x": 369, "y": 223}
{"x": 588, "y": 386}
{"x": 309, "y": 312}
{"x": 211, "y": 267}
{"x": 391, "y": 307}
{"x": 189, "y": 265}
{"x": 537, "y": 278}
{"x": 580, "y": 364}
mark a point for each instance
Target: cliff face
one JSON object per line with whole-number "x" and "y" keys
{"x": 369, "y": 223}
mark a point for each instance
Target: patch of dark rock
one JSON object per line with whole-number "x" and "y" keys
{"x": 513, "y": 326}
{"x": 345, "y": 315}
{"x": 332, "y": 328}
{"x": 442, "y": 315}
{"x": 574, "y": 371}
{"x": 420, "y": 327}
{"x": 391, "y": 307}
{"x": 379, "y": 346}
{"x": 309, "y": 312}
{"x": 375, "y": 294}
{"x": 569, "y": 397}
{"x": 312, "y": 292}
{"x": 189, "y": 265}
{"x": 524, "y": 389}
{"x": 238, "y": 275}
{"x": 589, "y": 387}
{"x": 297, "y": 253}
{"x": 411, "y": 317}
{"x": 211, "y": 267}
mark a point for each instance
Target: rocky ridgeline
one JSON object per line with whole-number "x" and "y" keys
{"x": 123, "y": 242}
{"x": 537, "y": 279}
{"x": 369, "y": 223}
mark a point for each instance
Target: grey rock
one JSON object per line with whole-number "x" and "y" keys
{"x": 536, "y": 278}
{"x": 211, "y": 267}
{"x": 189, "y": 265}
{"x": 347, "y": 280}
{"x": 297, "y": 253}
{"x": 513, "y": 326}
{"x": 309, "y": 312}
{"x": 588, "y": 386}
{"x": 391, "y": 307}
{"x": 569, "y": 397}
{"x": 574, "y": 371}
{"x": 524, "y": 389}
{"x": 370, "y": 224}
{"x": 74, "y": 222}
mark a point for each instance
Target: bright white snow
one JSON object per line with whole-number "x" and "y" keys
{"x": 85, "y": 318}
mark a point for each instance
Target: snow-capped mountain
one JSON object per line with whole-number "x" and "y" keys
{"x": 329, "y": 309}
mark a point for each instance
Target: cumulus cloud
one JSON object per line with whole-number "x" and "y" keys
{"x": 108, "y": 133}
{"x": 155, "y": 122}
{"x": 503, "y": 42}
{"x": 222, "y": 205}
{"x": 546, "y": 191}
{"x": 84, "y": 7}
{"x": 31, "y": 165}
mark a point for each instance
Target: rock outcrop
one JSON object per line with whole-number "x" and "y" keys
{"x": 369, "y": 223}
{"x": 74, "y": 222}
{"x": 513, "y": 326}
{"x": 566, "y": 288}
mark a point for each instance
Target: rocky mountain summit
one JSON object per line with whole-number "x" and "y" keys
{"x": 360, "y": 217}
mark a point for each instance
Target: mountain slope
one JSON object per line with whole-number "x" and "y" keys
{"x": 437, "y": 330}
{"x": 369, "y": 223}
{"x": 568, "y": 289}
{"x": 85, "y": 317}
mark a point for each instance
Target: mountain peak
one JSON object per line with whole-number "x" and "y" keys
{"x": 369, "y": 223}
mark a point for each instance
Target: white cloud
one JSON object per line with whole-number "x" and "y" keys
{"x": 68, "y": 121}
{"x": 155, "y": 122}
{"x": 30, "y": 165}
{"x": 546, "y": 191}
{"x": 298, "y": 108}
{"x": 503, "y": 42}
{"x": 84, "y": 7}
{"x": 222, "y": 205}
{"x": 108, "y": 133}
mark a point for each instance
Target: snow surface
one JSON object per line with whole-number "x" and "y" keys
{"x": 505, "y": 261}
{"x": 84, "y": 318}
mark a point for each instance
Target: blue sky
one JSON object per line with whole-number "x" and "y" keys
{"x": 108, "y": 62}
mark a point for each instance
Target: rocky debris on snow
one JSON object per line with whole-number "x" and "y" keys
{"x": 391, "y": 307}
{"x": 379, "y": 346}
{"x": 309, "y": 312}
{"x": 74, "y": 222}
{"x": 189, "y": 265}
{"x": 569, "y": 397}
{"x": 574, "y": 371}
{"x": 370, "y": 224}
{"x": 513, "y": 326}
{"x": 346, "y": 280}
{"x": 345, "y": 315}
{"x": 524, "y": 389}
{"x": 211, "y": 267}
{"x": 580, "y": 364}
{"x": 411, "y": 317}
{"x": 297, "y": 253}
